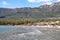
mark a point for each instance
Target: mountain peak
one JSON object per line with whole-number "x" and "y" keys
{"x": 43, "y": 11}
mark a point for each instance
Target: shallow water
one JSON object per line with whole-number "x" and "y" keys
{"x": 29, "y": 33}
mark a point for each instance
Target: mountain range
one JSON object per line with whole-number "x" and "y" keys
{"x": 43, "y": 11}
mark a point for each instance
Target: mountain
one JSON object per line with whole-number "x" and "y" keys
{"x": 43, "y": 11}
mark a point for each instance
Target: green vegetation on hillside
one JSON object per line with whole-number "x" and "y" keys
{"x": 44, "y": 11}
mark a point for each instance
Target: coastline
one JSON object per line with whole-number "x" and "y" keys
{"x": 48, "y": 26}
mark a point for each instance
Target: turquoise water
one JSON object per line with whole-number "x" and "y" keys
{"x": 29, "y": 33}
{"x": 6, "y": 28}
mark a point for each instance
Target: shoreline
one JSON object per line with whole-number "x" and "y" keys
{"x": 49, "y": 26}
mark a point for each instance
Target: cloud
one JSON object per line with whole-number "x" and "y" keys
{"x": 38, "y": 1}
{"x": 58, "y": 0}
{"x": 48, "y": 2}
{"x": 4, "y": 2}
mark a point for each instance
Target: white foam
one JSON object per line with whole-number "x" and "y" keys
{"x": 36, "y": 39}
{"x": 32, "y": 32}
{"x": 0, "y": 39}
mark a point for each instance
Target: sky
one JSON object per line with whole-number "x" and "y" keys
{"x": 25, "y": 3}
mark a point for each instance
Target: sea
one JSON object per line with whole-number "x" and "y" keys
{"x": 29, "y": 33}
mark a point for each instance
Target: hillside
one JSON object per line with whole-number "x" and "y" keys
{"x": 43, "y": 11}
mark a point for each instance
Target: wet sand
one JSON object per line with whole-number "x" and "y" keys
{"x": 48, "y": 26}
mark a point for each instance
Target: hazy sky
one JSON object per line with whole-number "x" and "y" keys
{"x": 24, "y": 3}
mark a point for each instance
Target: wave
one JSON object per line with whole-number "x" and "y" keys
{"x": 33, "y": 34}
